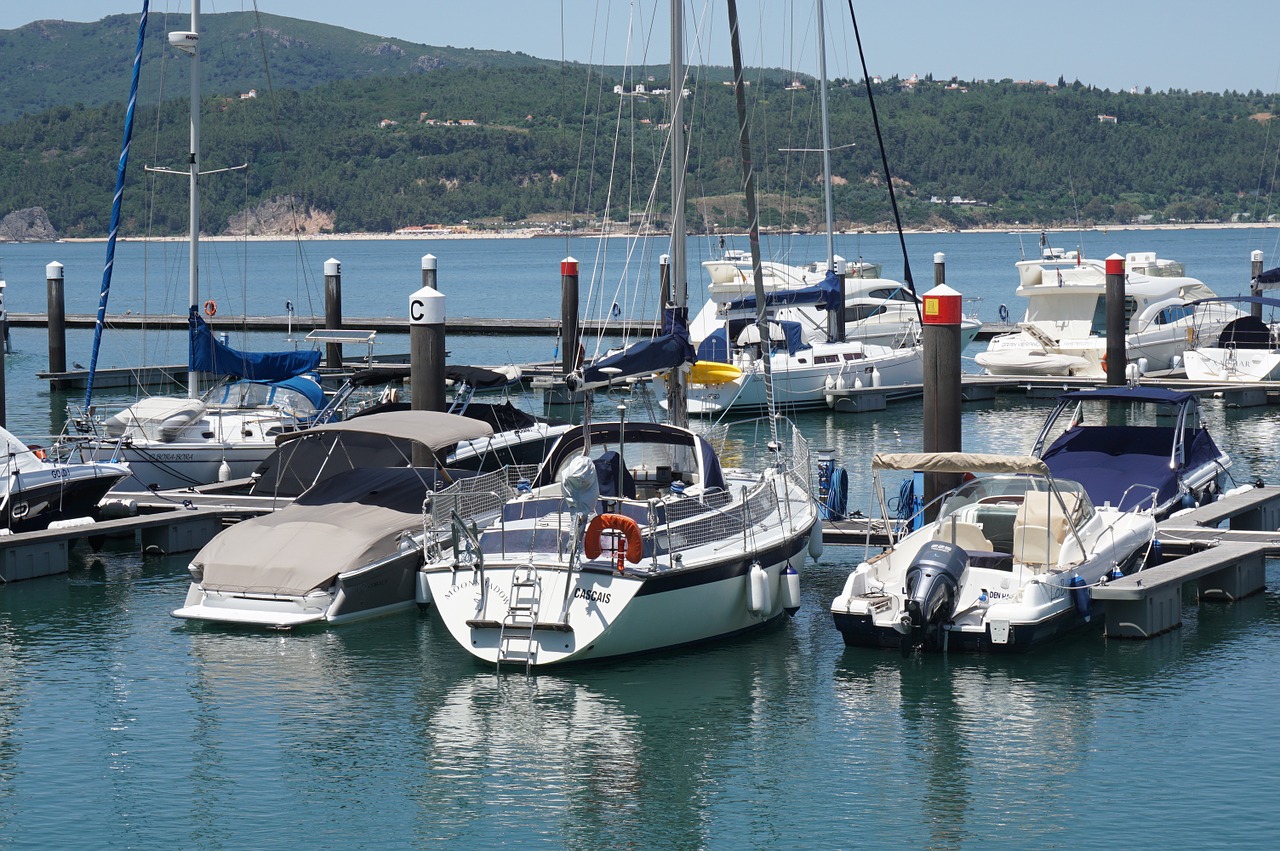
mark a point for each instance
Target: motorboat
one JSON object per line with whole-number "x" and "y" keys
{"x": 1006, "y": 564}
{"x": 349, "y": 546}
{"x": 1066, "y": 316}
{"x": 1246, "y": 349}
{"x": 38, "y": 490}
{"x": 631, "y": 538}
{"x": 518, "y": 437}
{"x": 1136, "y": 448}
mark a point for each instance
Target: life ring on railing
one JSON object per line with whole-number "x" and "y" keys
{"x": 37, "y": 451}
{"x": 623, "y": 529}
{"x": 211, "y": 308}
{"x": 1104, "y": 363}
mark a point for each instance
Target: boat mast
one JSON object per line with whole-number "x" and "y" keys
{"x": 753, "y": 219}
{"x": 677, "y": 404}
{"x": 190, "y": 47}
{"x": 835, "y": 318}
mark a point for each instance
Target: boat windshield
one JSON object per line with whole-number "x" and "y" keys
{"x": 254, "y": 394}
{"x": 1010, "y": 491}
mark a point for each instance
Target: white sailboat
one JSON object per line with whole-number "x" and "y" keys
{"x": 803, "y": 354}
{"x": 171, "y": 442}
{"x": 632, "y": 537}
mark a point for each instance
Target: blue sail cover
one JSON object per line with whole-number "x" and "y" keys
{"x": 669, "y": 350}
{"x": 209, "y": 355}
{"x": 826, "y": 296}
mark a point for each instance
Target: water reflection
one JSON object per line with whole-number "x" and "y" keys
{"x": 601, "y": 757}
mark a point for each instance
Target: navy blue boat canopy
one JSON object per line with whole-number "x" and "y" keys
{"x": 1157, "y": 395}
{"x": 669, "y": 350}
{"x": 1266, "y": 301}
{"x": 825, "y": 295}
{"x": 209, "y": 355}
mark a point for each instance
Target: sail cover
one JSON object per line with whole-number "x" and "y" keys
{"x": 826, "y": 296}
{"x": 668, "y": 350}
{"x": 209, "y": 355}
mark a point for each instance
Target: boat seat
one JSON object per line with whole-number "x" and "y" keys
{"x": 1041, "y": 526}
{"x": 967, "y": 536}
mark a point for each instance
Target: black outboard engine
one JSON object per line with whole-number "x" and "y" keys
{"x": 933, "y": 583}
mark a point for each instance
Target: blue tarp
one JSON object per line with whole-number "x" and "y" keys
{"x": 826, "y": 296}
{"x": 208, "y": 355}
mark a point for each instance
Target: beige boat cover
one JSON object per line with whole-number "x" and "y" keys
{"x": 958, "y": 462}
{"x": 343, "y": 524}
{"x": 431, "y": 428}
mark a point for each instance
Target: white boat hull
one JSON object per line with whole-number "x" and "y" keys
{"x": 1229, "y": 364}
{"x": 608, "y": 615}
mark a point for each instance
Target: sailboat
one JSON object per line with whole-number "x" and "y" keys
{"x": 802, "y": 359}
{"x": 179, "y": 442}
{"x": 633, "y": 537}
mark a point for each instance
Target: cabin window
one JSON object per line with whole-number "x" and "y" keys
{"x": 1173, "y": 314}
{"x": 1099, "y": 326}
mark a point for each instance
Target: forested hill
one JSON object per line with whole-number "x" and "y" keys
{"x": 52, "y": 63}
{"x": 516, "y": 138}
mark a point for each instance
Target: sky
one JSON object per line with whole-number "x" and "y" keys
{"x": 1114, "y": 44}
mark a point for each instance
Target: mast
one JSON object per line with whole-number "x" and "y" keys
{"x": 188, "y": 43}
{"x": 677, "y": 404}
{"x": 753, "y": 219}
{"x": 835, "y": 320}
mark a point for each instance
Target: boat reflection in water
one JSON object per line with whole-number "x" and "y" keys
{"x": 597, "y": 743}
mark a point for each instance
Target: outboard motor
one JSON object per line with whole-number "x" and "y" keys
{"x": 933, "y": 583}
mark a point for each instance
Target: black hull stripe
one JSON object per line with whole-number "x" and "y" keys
{"x": 677, "y": 579}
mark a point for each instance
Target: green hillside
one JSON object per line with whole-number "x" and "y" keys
{"x": 375, "y": 135}
{"x": 50, "y": 63}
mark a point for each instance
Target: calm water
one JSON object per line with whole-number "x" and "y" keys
{"x": 121, "y": 727}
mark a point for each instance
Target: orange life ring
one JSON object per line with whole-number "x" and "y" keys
{"x": 211, "y": 308}
{"x": 624, "y": 528}
{"x": 37, "y": 451}
{"x": 1104, "y": 363}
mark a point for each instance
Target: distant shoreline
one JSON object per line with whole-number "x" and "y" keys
{"x": 533, "y": 233}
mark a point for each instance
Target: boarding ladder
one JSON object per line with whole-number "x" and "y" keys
{"x": 515, "y": 635}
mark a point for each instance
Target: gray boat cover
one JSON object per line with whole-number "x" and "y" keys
{"x": 344, "y": 523}
{"x": 431, "y": 428}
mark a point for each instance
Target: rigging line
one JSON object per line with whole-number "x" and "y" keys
{"x": 291, "y": 198}
{"x": 884, "y": 162}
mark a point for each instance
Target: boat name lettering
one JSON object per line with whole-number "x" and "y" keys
{"x": 591, "y": 594}
{"x": 172, "y": 456}
{"x": 472, "y": 584}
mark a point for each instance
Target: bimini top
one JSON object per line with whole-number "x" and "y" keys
{"x": 958, "y": 462}
{"x": 1157, "y": 395}
{"x": 434, "y": 429}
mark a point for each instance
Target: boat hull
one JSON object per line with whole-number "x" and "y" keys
{"x": 65, "y": 494}
{"x": 382, "y": 588}
{"x": 608, "y": 615}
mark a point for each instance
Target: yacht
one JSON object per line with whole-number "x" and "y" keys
{"x": 1063, "y": 331}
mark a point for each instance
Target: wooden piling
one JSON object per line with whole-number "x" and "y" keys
{"x": 1255, "y": 288}
{"x": 569, "y": 336}
{"x": 942, "y": 394}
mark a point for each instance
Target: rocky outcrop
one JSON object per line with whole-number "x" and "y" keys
{"x": 29, "y": 225}
{"x": 280, "y": 217}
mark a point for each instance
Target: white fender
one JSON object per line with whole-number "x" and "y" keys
{"x": 790, "y": 589}
{"x": 758, "y": 590}
{"x": 423, "y": 594}
{"x": 815, "y": 540}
